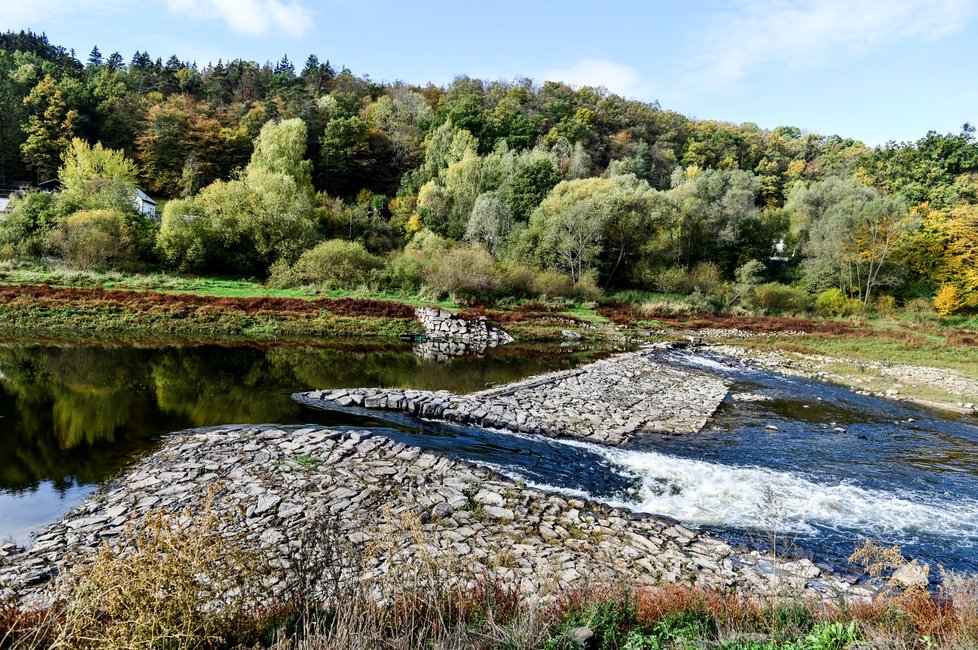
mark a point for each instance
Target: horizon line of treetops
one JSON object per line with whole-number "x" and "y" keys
{"x": 574, "y": 181}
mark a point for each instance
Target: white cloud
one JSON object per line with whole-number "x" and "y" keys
{"x": 251, "y": 17}
{"x": 616, "y": 77}
{"x": 805, "y": 33}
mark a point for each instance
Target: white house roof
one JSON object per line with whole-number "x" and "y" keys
{"x": 145, "y": 197}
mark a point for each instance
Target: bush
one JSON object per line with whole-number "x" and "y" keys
{"x": 553, "y": 284}
{"x": 403, "y": 272}
{"x": 885, "y": 305}
{"x": 587, "y": 289}
{"x": 26, "y": 230}
{"x": 674, "y": 280}
{"x": 705, "y": 277}
{"x": 777, "y": 298}
{"x": 832, "y": 302}
{"x": 465, "y": 273}
{"x": 97, "y": 239}
{"x": 335, "y": 263}
{"x": 519, "y": 281}
{"x": 948, "y": 300}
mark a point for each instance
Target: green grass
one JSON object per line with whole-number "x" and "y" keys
{"x": 218, "y": 287}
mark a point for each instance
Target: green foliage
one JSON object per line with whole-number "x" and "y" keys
{"x": 596, "y": 186}
{"x": 281, "y": 149}
{"x": 832, "y": 636}
{"x": 531, "y": 183}
{"x": 775, "y": 298}
{"x": 49, "y": 128}
{"x": 26, "y": 230}
{"x": 490, "y": 223}
{"x": 245, "y": 225}
{"x": 832, "y": 302}
{"x": 466, "y": 273}
{"x": 334, "y": 263}
{"x": 97, "y": 239}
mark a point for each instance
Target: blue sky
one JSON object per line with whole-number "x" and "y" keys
{"x": 871, "y": 69}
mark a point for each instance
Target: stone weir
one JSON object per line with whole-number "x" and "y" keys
{"x": 608, "y": 401}
{"x": 289, "y": 490}
{"x": 443, "y": 325}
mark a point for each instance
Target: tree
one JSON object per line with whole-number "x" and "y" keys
{"x": 565, "y": 232}
{"x": 532, "y": 181}
{"x": 281, "y": 149}
{"x": 490, "y": 223}
{"x": 247, "y": 224}
{"x": 849, "y": 231}
{"x": 714, "y": 208}
{"x": 97, "y": 177}
{"x": 633, "y": 216}
{"x": 95, "y": 58}
{"x": 50, "y": 127}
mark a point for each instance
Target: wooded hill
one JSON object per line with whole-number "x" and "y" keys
{"x": 271, "y": 163}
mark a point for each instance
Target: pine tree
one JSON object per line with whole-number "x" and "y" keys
{"x": 95, "y": 57}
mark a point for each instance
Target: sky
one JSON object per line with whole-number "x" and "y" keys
{"x": 875, "y": 70}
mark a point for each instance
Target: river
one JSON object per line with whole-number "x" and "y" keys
{"x": 816, "y": 465}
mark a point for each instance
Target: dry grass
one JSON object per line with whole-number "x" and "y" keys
{"x": 174, "y": 580}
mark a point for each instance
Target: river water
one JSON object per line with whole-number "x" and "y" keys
{"x": 837, "y": 468}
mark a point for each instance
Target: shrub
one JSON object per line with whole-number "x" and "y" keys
{"x": 674, "y": 280}
{"x": 948, "y": 300}
{"x": 97, "y": 239}
{"x": 885, "y": 305}
{"x": 404, "y": 272}
{"x": 587, "y": 289}
{"x": 335, "y": 263}
{"x": 553, "y": 284}
{"x": 832, "y": 302}
{"x": 465, "y": 273}
{"x": 179, "y": 583}
{"x": 519, "y": 280}
{"x": 775, "y": 297}
{"x": 25, "y": 231}
{"x": 751, "y": 274}
{"x": 704, "y": 277}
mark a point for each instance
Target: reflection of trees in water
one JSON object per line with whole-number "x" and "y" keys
{"x": 60, "y": 405}
{"x": 76, "y": 413}
{"x": 217, "y": 386}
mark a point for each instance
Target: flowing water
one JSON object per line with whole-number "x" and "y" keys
{"x": 838, "y": 468}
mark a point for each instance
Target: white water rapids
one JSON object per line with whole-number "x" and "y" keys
{"x": 701, "y": 493}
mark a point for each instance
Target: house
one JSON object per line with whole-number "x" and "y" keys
{"x": 144, "y": 205}
{"x": 50, "y": 187}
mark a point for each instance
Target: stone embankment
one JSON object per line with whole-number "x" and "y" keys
{"x": 288, "y": 489}
{"x": 449, "y": 335}
{"x": 609, "y": 401}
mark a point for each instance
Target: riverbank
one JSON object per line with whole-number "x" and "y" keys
{"x": 72, "y": 312}
{"x": 932, "y": 387}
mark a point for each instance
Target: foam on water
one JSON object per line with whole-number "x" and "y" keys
{"x": 712, "y": 494}
{"x": 701, "y": 493}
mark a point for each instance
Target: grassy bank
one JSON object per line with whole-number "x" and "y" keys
{"x": 41, "y": 309}
{"x": 70, "y": 303}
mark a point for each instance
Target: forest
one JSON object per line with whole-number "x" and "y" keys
{"x": 484, "y": 191}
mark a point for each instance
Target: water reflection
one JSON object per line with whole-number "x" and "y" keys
{"x": 75, "y": 414}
